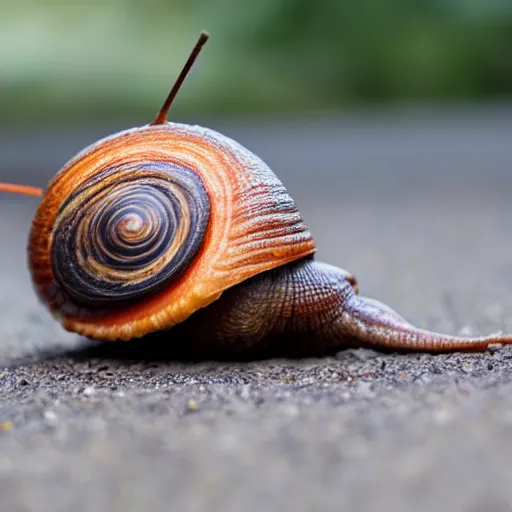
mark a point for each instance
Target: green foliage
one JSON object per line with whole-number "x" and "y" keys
{"x": 98, "y": 60}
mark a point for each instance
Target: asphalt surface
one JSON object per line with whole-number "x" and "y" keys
{"x": 418, "y": 207}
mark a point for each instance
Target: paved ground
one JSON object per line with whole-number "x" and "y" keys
{"x": 419, "y": 209}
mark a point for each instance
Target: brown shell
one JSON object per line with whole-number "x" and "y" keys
{"x": 254, "y": 226}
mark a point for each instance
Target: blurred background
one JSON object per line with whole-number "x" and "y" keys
{"x": 76, "y": 61}
{"x": 390, "y": 123}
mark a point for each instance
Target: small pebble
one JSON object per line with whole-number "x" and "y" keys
{"x": 192, "y": 405}
{"x": 5, "y": 426}
{"x": 88, "y": 391}
{"x": 50, "y": 416}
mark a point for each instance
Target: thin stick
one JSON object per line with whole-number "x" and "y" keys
{"x": 21, "y": 189}
{"x": 161, "y": 117}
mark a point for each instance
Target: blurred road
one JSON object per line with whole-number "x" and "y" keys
{"x": 417, "y": 205}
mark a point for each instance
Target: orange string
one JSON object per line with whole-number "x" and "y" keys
{"x": 21, "y": 189}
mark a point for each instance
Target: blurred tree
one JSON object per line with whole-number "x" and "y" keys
{"x": 119, "y": 58}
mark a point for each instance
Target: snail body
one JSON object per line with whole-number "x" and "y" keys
{"x": 301, "y": 309}
{"x": 178, "y": 232}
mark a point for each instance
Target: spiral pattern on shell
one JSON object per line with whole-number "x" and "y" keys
{"x": 127, "y": 231}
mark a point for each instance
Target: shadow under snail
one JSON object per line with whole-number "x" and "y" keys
{"x": 178, "y": 230}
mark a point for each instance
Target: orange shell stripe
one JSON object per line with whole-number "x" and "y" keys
{"x": 254, "y": 226}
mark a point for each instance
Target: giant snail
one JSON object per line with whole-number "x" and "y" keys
{"x": 178, "y": 230}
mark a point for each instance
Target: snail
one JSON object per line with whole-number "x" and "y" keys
{"x": 178, "y": 232}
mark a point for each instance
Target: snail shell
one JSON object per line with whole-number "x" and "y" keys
{"x": 145, "y": 227}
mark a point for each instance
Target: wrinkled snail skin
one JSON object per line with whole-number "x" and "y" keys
{"x": 306, "y": 308}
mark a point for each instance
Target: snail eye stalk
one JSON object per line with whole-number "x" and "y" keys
{"x": 161, "y": 117}
{"x": 21, "y": 189}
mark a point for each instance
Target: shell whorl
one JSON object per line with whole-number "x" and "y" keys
{"x": 128, "y": 231}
